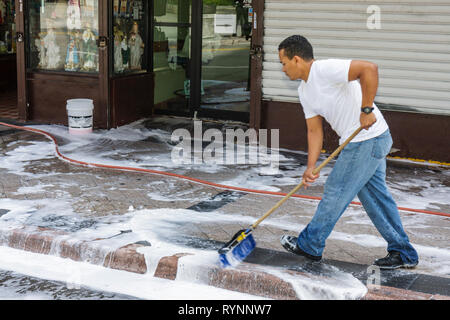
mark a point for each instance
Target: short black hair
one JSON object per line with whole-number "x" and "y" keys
{"x": 297, "y": 45}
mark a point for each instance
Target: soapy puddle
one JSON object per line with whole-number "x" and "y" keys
{"x": 86, "y": 275}
{"x": 134, "y": 145}
{"x": 129, "y": 146}
{"x": 16, "y": 286}
{"x": 174, "y": 226}
{"x": 166, "y": 231}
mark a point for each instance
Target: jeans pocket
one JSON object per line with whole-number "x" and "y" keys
{"x": 381, "y": 147}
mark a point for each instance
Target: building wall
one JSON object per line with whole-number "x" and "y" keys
{"x": 416, "y": 135}
{"x": 408, "y": 40}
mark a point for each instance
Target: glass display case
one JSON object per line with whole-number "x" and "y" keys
{"x": 63, "y": 35}
{"x": 7, "y": 27}
{"x": 91, "y": 49}
{"x": 130, "y": 36}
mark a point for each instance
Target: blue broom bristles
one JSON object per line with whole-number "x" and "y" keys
{"x": 238, "y": 253}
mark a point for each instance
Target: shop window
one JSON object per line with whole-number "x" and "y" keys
{"x": 63, "y": 35}
{"x": 171, "y": 53}
{"x": 172, "y": 11}
{"x": 7, "y": 27}
{"x": 130, "y": 34}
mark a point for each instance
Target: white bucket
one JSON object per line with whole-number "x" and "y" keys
{"x": 80, "y": 113}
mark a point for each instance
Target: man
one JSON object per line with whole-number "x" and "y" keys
{"x": 342, "y": 92}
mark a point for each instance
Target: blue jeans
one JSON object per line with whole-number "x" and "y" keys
{"x": 360, "y": 170}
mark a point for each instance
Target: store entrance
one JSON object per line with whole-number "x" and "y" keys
{"x": 172, "y": 63}
{"x": 201, "y": 58}
{"x": 8, "y": 64}
{"x": 225, "y": 64}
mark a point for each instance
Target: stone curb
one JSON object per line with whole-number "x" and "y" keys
{"x": 245, "y": 278}
{"x": 390, "y": 293}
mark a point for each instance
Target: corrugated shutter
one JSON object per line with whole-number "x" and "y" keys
{"x": 412, "y": 47}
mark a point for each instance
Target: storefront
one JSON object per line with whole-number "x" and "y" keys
{"x": 218, "y": 59}
{"x": 133, "y": 58}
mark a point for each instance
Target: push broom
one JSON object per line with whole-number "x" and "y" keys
{"x": 243, "y": 243}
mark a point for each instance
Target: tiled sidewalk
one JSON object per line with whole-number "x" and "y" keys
{"x": 94, "y": 193}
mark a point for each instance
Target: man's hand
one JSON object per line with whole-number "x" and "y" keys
{"x": 367, "y": 120}
{"x": 309, "y": 177}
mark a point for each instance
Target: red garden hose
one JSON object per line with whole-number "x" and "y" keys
{"x": 212, "y": 184}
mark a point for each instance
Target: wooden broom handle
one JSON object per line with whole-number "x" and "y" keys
{"x": 315, "y": 171}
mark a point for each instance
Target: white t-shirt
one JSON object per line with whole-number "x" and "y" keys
{"x": 328, "y": 93}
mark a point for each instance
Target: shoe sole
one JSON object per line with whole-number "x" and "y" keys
{"x": 289, "y": 247}
{"x": 405, "y": 266}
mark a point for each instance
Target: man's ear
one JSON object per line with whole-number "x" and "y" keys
{"x": 298, "y": 60}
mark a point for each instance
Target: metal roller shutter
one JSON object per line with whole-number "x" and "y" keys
{"x": 411, "y": 47}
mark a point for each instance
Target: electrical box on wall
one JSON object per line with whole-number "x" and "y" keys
{"x": 225, "y": 23}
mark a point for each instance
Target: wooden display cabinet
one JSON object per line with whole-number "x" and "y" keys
{"x": 50, "y": 75}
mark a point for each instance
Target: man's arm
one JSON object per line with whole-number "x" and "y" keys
{"x": 315, "y": 142}
{"x": 367, "y": 73}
